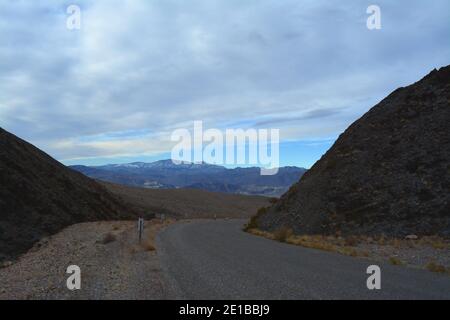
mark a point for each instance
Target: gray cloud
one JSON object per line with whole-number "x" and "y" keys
{"x": 309, "y": 67}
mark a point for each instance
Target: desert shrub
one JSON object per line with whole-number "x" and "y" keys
{"x": 314, "y": 242}
{"x": 364, "y": 253}
{"x": 395, "y": 261}
{"x": 348, "y": 251}
{"x": 148, "y": 246}
{"x": 434, "y": 267}
{"x": 437, "y": 243}
{"x": 261, "y": 233}
{"x": 253, "y": 222}
{"x": 351, "y": 241}
{"x": 283, "y": 233}
{"x": 381, "y": 240}
{"x": 108, "y": 238}
{"x": 396, "y": 243}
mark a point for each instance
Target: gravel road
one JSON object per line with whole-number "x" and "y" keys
{"x": 216, "y": 260}
{"x": 119, "y": 269}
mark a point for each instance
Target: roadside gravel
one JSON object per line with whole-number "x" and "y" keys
{"x": 119, "y": 269}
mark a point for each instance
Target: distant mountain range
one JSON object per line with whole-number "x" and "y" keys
{"x": 39, "y": 196}
{"x": 165, "y": 174}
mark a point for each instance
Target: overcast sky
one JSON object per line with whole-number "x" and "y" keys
{"x": 114, "y": 90}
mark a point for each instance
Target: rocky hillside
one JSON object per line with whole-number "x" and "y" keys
{"x": 39, "y": 196}
{"x": 388, "y": 173}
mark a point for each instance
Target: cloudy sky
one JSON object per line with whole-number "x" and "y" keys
{"x": 115, "y": 90}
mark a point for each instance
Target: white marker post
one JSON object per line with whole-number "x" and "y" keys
{"x": 140, "y": 228}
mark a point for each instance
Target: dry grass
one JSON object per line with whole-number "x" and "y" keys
{"x": 314, "y": 242}
{"x": 435, "y": 242}
{"x": 351, "y": 241}
{"x": 396, "y": 243}
{"x": 381, "y": 241}
{"x": 363, "y": 246}
{"x": 331, "y": 244}
{"x": 261, "y": 233}
{"x": 439, "y": 245}
{"x": 108, "y": 238}
{"x": 148, "y": 245}
{"x": 434, "y": 267}
{"x": 148, "y": 240}
{"x": 395, "y": 261}
{"x": 283, "y": 234}
{"x": 152, "y": 228}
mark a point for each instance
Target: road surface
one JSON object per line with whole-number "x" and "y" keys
{"x": 216, "y": 260}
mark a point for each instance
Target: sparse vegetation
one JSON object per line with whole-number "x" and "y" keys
{"x": 351, "y": 241}
{"x": 439, "y": 245}
{"x": 395, "y": 261}
{"x": 148, "y": 246}
{"x": 314, "y": 242}
{"x": 381, "y": 241}
{"x": 361, "y": 246}
{"x": 396, "y": 243}
{"x": 319, "y": 242}
{"x": 148, "y": 240}
{"x": 283, "y": 234}
{"x": 434, "y": 267}
{"x": 435, "y": 242}
{"x": 260, "y": 233}
{"x": 108, "y": 238}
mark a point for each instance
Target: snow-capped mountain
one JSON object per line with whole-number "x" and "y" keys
{"x": 165, "y": 174}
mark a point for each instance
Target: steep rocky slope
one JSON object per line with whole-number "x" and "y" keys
{"x": 39, "y": 196}
{"x": 388, "y": 173}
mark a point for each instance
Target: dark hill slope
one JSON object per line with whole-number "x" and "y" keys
{"x": 188, "y": 203}
{"x": 39, "y": 196}
{"x": 388, "y": 173}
